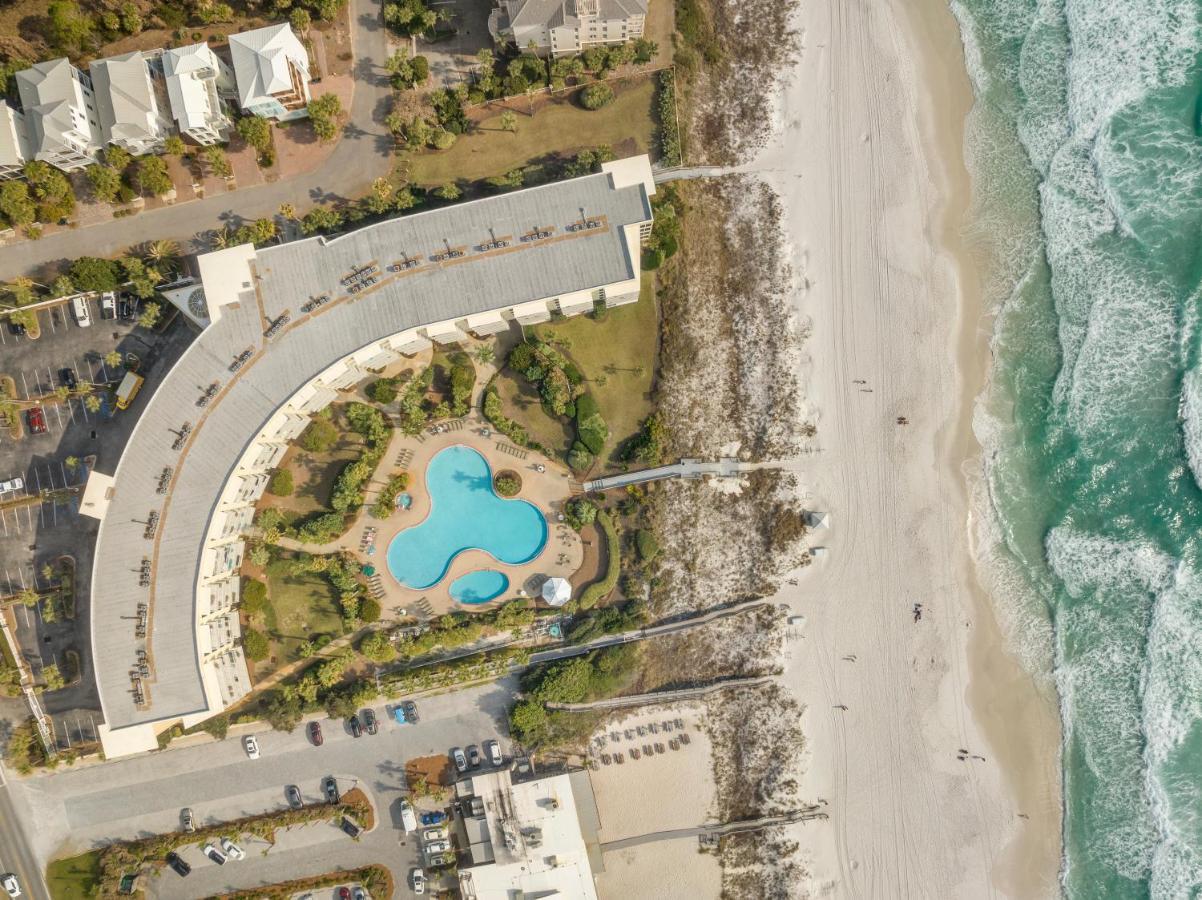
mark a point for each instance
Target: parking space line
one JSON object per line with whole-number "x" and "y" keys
{"x": 4, "y": 522}
{"x": 29, "y": 518}
{"x": 63, "y": 470}
{"x": 25, "y": 384}
{"x": 59, "y": 416}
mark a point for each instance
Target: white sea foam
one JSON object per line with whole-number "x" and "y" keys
{"x": 1043, "y": 121}
{"x": 1191, "y": 420}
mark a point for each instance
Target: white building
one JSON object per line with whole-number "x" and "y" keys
{"x": 197, "y": 79}
{"x": 560, "y": 27}
{"x": 60, "y": 114}
{"x": 132, "y": 102}
{"x": 271, "y": 67}
{"x": 14, "y": 142}
{"x": 529, "y": 838}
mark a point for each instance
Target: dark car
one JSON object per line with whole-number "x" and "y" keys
{"x": 37, "y": 420}
{"x": 16, "y": 327}
{"x": 410, "y": 709}
{"x": 350, "y": 827}
{"x": 473, "y": 756}
{"x": 355, "y": 726}
{"x": 433, "y": 818}
{"x": 315, "y": 733}
{"x": 329, "y": 787}
{"x": 292, "y": 792}
{"x": 182, "y": 869}
{"x": 68, "y": 377}
{"x": 369, "y": 721}
{"x": 126, "y": 306}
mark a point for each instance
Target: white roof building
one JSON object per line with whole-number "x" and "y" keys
{"x": 567, "y": 26}
{"x": 60, "y": 114}
{"x": 534, "y": 838}
{"x": 197, "y": 79}
{"x": 14, "y": 142}
{"x": 271, "y": 67}
{"x": 128, "y": 89}
{"x": 557, "y": 591}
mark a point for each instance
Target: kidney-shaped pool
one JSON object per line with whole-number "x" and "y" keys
{"x": 465, "y": 513}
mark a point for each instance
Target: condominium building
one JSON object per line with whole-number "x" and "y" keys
{"x": 271, "y": 67}
{"x": 197, "y": 80}
{"x": 131, "y": 99}
{"x": 60, "y": 114}
{"x": 14, "y": 142}
{"x": 560, "y": 27}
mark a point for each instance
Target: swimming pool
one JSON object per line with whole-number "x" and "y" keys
{"x": 479, "y": 587}
{"x": 465, "y": 513}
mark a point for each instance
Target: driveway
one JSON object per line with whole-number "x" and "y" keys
{"x": 363, "y": 153}
{"x": 70, "y": 811}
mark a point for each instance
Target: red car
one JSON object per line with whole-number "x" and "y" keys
{"x": 37, "y": 420}
{"x": 315, "y": 733}
{"x": 344, "y": 893}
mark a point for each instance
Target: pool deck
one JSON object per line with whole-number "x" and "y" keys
{"x": 547, "y": 490}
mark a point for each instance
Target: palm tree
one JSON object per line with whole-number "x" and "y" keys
{"x": 287, "y": 210}
{"x": 92, "y": 402}
{"x": 162, "y": 251}
{"x": 113, "y": 358}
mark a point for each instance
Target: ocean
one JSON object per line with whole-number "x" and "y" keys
{"x": 1085, "y": 148}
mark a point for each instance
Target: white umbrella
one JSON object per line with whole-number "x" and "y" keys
{"x": 557, "y": 591}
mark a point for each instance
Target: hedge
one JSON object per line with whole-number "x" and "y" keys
{"x": 599, "y": 590}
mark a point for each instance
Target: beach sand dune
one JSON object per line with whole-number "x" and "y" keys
{"x": 869, "y": 167}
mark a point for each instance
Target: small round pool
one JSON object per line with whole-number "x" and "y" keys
{"x": 479, "y": 587}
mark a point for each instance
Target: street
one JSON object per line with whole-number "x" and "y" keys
{"x": 72, "y": 810}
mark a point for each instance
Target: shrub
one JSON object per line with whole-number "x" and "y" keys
{"x": 383, "y": 390}
{"x": 91, "y": 273}
{"x": 324, "y": 113}
{"x": 369, "y": 611}
{"x": 647, "y": 545}
{"x": 599, "y": 590}
{"x": 596, "y": 95}
{"x": 254, "y": 596}
{"x": 319, "y": 436}
{"x": 579, "y": 458}
{"x": 377, "y": 647}
{"x": 579, "y": 512}
{"x": 508, "y": 484}
{"x": 255, "y": 644}
{"x": 281, "y": 483}
{"x": 321, "y": 528}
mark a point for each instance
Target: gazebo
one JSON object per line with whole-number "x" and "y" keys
{"x": 557, "y": 591}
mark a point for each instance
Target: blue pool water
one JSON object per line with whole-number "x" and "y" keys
{"x": 465, "y": 513}
{"x": 479, "y": 587}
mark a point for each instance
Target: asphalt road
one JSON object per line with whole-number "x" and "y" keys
{"x": 15, "y": 855}
{"x": 72, "y": 810}
{"x": 363, "y": 153}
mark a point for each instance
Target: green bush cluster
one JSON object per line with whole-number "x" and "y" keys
{"x": 467, "y": 669}
{"x": 457, "y": 629}
{"x": 508, "y": 484}
{"x": 386, "y": 502}
{"x": 319, "y": 436}
{"x": 320, "y": 528}
{"x": 596, "y": 95}
{"x": 281, "y": 484}
{"x": 599, "y": 590}
{"x": 647, "y": 545}
{"x": 254, "y": 596}
{"x": 607, "y": 620}
{"x": 671, "y": 152}
{"x": 664, "y": 239}
{"x": 560, "y": 386}
{"x": 579, "y": 512}
{"x": 255, "y": 644}
{"x": 650, "y": 445}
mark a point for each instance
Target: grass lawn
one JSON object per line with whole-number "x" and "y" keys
{"x": 314, "y": 474}
{"x": 74, "y": 878}
{"x": 559, "y": 128}
{"x": 300, "y": 606}
{"x": 520, "y": 402}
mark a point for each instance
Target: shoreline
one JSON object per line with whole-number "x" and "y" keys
{"x": 1004, "y": 698}
{"x": 894, "y": 300}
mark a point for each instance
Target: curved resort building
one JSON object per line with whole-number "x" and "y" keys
{"x": 284, "y": 329}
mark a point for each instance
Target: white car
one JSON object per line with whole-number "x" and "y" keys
{"x": 251, "y": 745}
{"x": 108, "y": 305}
{"x": 435, "y": 834}
{"x": 232, "y": 850}
{"x": 493, "y": 750}
{"x": 418, "y": 879}
{"x": 437, "y": 846}
{"x": 14, "y": 890}
{"x": 79, "y": 306}
{"x": 13, "y": 484}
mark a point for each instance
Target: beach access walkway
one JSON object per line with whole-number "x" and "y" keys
{"x": 713, "y": 832}
{"x": 727, "y": 467}
{"x": 663, "y": 696}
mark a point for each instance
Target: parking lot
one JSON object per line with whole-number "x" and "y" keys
{"x": 39, "y": 519}
{"x": 77, "y": 809}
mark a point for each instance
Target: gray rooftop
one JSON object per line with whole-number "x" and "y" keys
{"x": 288, "y": 275}
{"x": 124, "y": 98}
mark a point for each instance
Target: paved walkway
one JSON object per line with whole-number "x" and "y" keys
{"x": 363, "y": 153}
{"x": 663, "y": 696}
{"x": 715, "y": 831}
{"x": 686, "y": 468}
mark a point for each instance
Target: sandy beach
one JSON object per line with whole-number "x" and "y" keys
{"x": 868, "y": 161}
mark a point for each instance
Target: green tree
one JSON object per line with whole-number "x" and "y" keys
{"x": 300, "y": 21}
{"x": 281, "y": 483}
{"x": 152, "y": 176}
{"x": 325, "y": 112}
{"x": 509, "y": 120}
{"x": 113, "y": 358}
{"x": 105, "y": 182}
{"x": 53, "y": 678}
{"x": 117, "y": 157}
{"x": 68, "y": 27}
{"x": 255, "y": 131}
{"x": 319, "y": 436}
{"x": 321, "y": 218}
{"x": 255, "y": 644}
{"x": 131, "y": 18}
{"x": 217, "y": 161}
{"x": 448, "y": 191}
{"x": 254, "y": 596}
{"x": 174, "y": 145}
{"x": 92, "y": 403}
{"x": 91, "y": 273}
{"x": 151, "y": 313}
{"x": 141, "y": 278}
{"x": 377, "y": 647}
{"x": 16, "y": 204}
{"x": 596, "y": 95}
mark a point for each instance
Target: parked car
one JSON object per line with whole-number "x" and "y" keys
{"x": 344, "y": 893}
{"x": 126, "y": 306}
{"x": 189, "y": 822}
{"x": 417, "y": 880}
{"x": 329, "y": 787}
{"x": 459, "y": 759}
{"x": 36, "y": 418}
{"x": 232, "y": 850}
{"x": 11, "y": 887}
{"x": 433, "y": 818}
{"x": 438, "y": 846}
{"x": 13, "y": 484}
{"x": 355, "y": 726}
{"x": 359, "y": 893}
{"x": 369, "y": 721}
{"x": 214, "y": 854}
{"x": 108, "y": 305}
{"x": 251, "y": 745}
{"x": 410, "y": 709}
{"x": 473, "y": 756}
{"x": 67, "y": 375}
{"x": 492, "y": 749}
{"x": 434, "y": 834}
{"x": 16, "y": 328}
{"x": 292, "y": 792}
{"x": 440, "y": 859}
{"x": 79, "y": 306}
{"x": 315, "y": 733}
{"x": 182, "y": 869}
{"x": 350, "y": 827}
{"x": 408, "y": 819}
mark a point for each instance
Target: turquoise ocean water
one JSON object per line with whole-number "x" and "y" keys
{"x": 1086, "y": 154}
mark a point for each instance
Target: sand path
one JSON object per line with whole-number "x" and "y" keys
{"x": 870, "y": 170}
